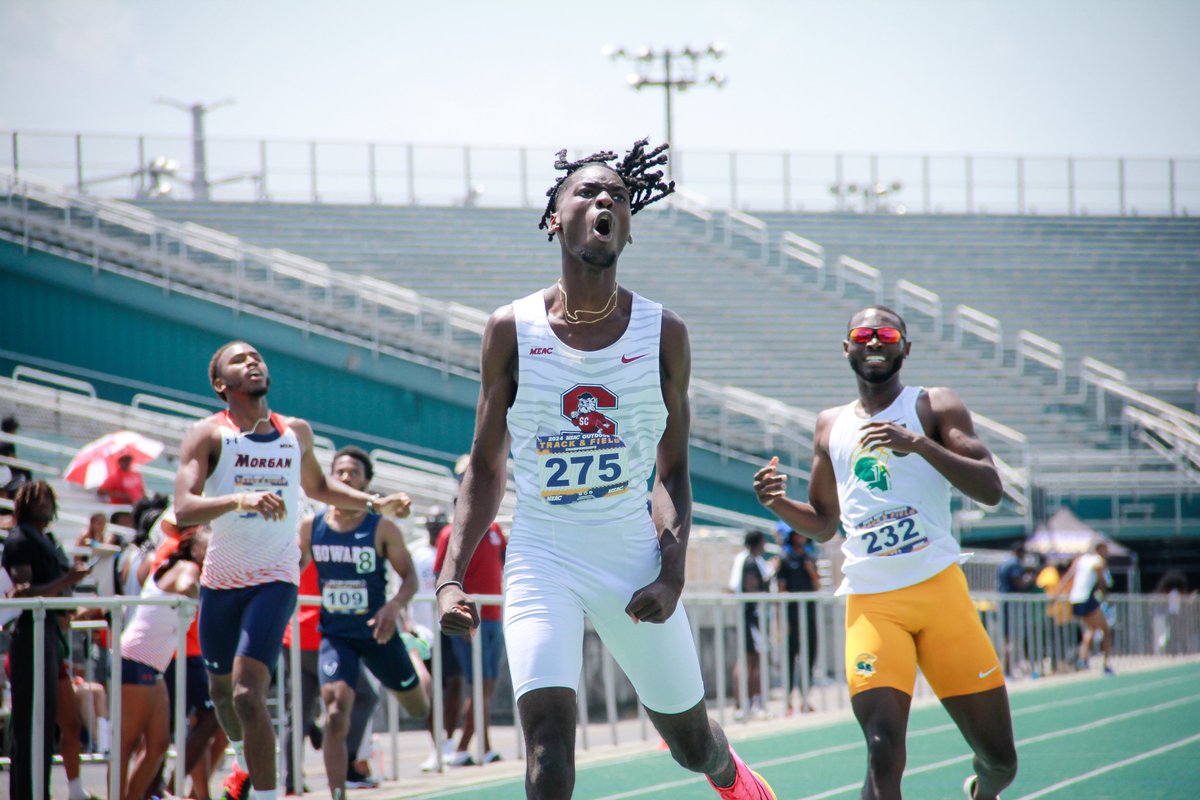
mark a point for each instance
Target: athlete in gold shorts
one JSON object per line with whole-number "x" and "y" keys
{"x": 883, "y": 467}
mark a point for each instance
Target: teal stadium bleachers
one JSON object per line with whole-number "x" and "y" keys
{"x": 748, "y": 328}
{"x": 760, "y": 330}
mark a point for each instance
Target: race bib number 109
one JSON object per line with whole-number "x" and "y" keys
{"x": 344, "y": 597}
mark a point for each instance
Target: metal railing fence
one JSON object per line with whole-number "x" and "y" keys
{"x": 409, "y": 173}
{"x": 1032, "y": 633}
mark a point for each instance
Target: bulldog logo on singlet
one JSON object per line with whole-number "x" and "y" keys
{"x": 587, "y": 461}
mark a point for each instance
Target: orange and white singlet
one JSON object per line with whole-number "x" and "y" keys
{"x": 247, "y": 550}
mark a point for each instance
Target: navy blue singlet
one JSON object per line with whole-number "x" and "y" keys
{"x": 352, "y": 576}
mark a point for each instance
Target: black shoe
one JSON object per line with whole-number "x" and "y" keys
{"x": 316, "y": 735}
{"x": 357, "y": 780}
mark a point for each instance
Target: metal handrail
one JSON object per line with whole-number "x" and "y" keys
{"x": 984, "y": 326}
{"x": 1032, "y": 347}
{"x": 851, "y": 270}
{"x": 796, "y": 248}
{"x": 910, "y": 295}
{"x": 695, "y": 205}
{"x": 739, "y": 223}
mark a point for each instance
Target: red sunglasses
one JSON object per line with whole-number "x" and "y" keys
{"x": 888, "y": 335}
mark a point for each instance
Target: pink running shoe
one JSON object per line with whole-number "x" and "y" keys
{"x": 237, "y": 785}
{"x": 747, "y": 785}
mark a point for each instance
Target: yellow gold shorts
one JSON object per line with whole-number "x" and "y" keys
{"x": 934, "y": 625}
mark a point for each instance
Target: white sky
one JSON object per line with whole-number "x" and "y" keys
{"x": 951, "y": 76}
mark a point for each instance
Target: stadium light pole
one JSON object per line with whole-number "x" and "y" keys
{"x": 199, "y": 160}
{"x": 645, "y": 57}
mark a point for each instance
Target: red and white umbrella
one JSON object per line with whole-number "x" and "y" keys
{"x": 97, "y": 460}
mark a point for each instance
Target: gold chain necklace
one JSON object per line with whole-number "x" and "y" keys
{"x": 576, "y": 317}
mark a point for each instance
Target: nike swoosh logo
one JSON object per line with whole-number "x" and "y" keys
{"x": 631, "y": 359}
{"x": 362, "y": 535}
{"x": 408, "y": 683}
{"x": 989, "y": 672}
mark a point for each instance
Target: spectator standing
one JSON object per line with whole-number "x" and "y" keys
{"x": 484, "y": 576}
{"x": 1013, "y": 578}
{"x": 32, "y": 562}
{"x": 798, "y": 573}
{"x": 751, "y": 573}
{"x": 424, "y": 556}
{"x": 125, "y": 485}
{"x": 18, "y": 475}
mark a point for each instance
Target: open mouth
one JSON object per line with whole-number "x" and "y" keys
{"x": 602, "y": 227}
{"x": 875, "y": 359}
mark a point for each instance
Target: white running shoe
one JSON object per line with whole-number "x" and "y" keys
{"x": 969, "y": 788}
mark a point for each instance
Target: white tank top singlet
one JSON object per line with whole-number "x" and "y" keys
{"x": 1086, "y": 578}
{"x": 585, "y": 425}
{"x": 895, "y": 506}
{"x": 245, "y": 549}
{"x": 150, "y": 638}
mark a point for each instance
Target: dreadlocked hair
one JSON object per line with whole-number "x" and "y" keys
{"x": 30, "y": 496}
{"x": 645, "y": 184}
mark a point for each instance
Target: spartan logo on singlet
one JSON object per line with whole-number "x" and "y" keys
{"x": 587, "y": 461}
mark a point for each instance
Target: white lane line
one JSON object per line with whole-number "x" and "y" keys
{"x": 1028, "y": 741}
{"x": 1115, "y": 765}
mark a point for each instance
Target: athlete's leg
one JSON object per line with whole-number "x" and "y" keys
{"x": 155, "y": 738}
{"x": 220, "y": 689}
{"x": 883, "y": 716}
{"x": 339, "y": 699}
{"x": 881, "y": 670}
{"x": 1098, "y": 625}
{"x": 958, "y": 659}
{"x": 986, "y": 724}
{"x": 268, "y": 608}
{"x": 251, "y": 683}
{"x": 697, "y": 743}
{"x": 135, "y": 704}
{"x": 70, "y": 727}
{"x": 548, "y": 723}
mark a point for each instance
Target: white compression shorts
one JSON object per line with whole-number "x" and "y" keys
{"x": 556, "y": 576}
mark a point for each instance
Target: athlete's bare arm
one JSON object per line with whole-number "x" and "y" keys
{"x": 328, "y": 489}
{"x": 304, "y": 539}
{"x": 197, "y": 457}
{"x": 390, "y": 542}
{"x": 182, "y": 578}
{"x": 483, "y": 482}
{"x": 818, "y": 518}
{"x": 952, "y": 449}
{"x": 671, "y": 496}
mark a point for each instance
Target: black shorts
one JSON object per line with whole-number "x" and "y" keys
{"x": 196, "y": 697}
